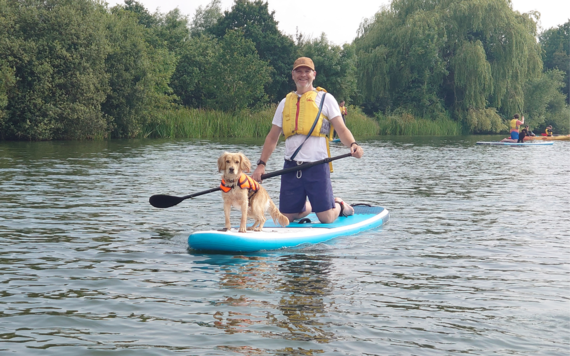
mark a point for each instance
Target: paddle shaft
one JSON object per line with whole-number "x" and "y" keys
{"x": 166, "y": 201}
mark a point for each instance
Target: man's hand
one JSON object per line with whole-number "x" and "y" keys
{"x": 356, "y": 151}
{"x": 259, "y": 170}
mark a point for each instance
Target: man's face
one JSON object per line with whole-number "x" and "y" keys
{"x": 304, "y": 76}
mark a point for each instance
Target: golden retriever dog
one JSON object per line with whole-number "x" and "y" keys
{"x": 242, "y": 192}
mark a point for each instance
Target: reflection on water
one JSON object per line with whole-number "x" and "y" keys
{"x": 302, "y": 283}
{"x": 473, "y": 261}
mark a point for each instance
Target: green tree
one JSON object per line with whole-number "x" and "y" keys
{"x": 56, "y": 51}
{"x": 259, "y": 26}
{"x": 206, "y": 18}
{"x": 194, "y": 70}
{"x": 545, "y": 103}
{"x": 555, "y": 43}
{"x": 7, "y": 81}
{"x": 172, "y": 30}
{"x": 139, "y": 75}
{"x": 238, "y": 78}
{"x": 144, "y": 17}
{"x": 457, "y": 56}
{"x": 335, "y": 66}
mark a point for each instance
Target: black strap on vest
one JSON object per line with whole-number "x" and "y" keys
{"x": 312, "y": 128}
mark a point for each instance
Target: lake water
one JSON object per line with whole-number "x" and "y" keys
{"x": 474, "y": 260}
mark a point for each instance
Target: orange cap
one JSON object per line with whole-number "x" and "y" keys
{"x": 304, "y": 62}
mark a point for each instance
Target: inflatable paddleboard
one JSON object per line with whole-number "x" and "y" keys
{"x": 499, "y": 143}
{"x": 273, "y": 237}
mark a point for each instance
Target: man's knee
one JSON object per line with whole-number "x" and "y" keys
{"x": 329, "y": 216}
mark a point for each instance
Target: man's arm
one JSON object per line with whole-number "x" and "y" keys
{"x": 346, "y": 136}
{"x": 268, "y": 147}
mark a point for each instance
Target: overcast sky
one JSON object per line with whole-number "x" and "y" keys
{"x": 340, "y": 20}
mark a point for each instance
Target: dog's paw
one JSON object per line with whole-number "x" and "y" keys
{"x": 242, "y": 229}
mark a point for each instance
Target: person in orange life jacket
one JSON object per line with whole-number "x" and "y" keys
{"x": 515, "y": 124}
{"x": 313, "y": 183}
{"x": 548, "y": 131}
{"x": 343, "y": 112}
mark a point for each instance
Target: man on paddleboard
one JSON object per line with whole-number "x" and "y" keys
{"x": 515, "y": 125}
{"x": 304, "y": 117}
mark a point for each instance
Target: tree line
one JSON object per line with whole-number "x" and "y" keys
{"x": 77, "y": 69}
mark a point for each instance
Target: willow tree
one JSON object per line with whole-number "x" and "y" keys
{"x": 471, "y": 58}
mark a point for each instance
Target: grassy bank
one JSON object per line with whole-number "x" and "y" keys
{"x": 198, "y": 123}
{"x": 406, "y": 124}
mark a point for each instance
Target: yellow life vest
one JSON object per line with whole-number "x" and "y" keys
{"x": 548, "y": 132}
{"x": 300, "y": 113}
{"x": 514, "y": 126}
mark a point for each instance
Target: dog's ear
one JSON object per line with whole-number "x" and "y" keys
{"x": 222, "y": 162}
{"x": 245, "y": 164}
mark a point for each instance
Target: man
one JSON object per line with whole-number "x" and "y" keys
{"x": 343, "y": 110}
{"x": 515, "y": 125}
{"x": 294, "y": 117}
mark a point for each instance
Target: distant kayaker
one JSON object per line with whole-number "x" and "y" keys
{"x": 294, "y": 117}
{"x": 529, "y": 132}
{"x": 343, "y": 110}
{"x": 515, "y": 125}
{"x": 548, "y": 131}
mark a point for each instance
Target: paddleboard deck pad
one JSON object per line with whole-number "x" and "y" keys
{"x": 499, "y": 143}
{"x": 300, "y": 232}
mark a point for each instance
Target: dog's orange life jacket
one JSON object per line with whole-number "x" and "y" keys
{"x": 244, "y": 182}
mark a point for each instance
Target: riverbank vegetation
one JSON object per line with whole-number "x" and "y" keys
{"x": 79, "y": 69}
{"x": 203, "y": 123}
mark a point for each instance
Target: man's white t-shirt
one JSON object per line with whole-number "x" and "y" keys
{"x": 315, "y": 148}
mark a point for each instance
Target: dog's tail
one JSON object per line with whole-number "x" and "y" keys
{"x": 276, "y": 215}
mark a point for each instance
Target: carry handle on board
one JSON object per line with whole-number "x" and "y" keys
{"x": 166, "y": 201}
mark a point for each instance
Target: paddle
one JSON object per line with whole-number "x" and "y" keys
{"x": 166, "y": 201}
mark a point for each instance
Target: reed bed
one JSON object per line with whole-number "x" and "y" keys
{"x": 405, "y": 124}
{"x": 200, "y": 123}
{"x": 359, "y": 124}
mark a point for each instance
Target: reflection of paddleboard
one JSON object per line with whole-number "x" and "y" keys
{"x": 499, "y": 143}
{"x": 274, "y": 237}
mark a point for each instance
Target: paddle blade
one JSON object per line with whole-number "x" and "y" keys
{"x": 164, "y": 201}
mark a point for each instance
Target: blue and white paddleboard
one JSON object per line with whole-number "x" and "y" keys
{"x": 274, "y": 237}
{"x": 499, "y": 143}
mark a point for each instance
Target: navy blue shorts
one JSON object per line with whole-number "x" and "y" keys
{"x": 314, "y": 183}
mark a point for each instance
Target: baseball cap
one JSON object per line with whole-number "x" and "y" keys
{"x": 304, "y": 62}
